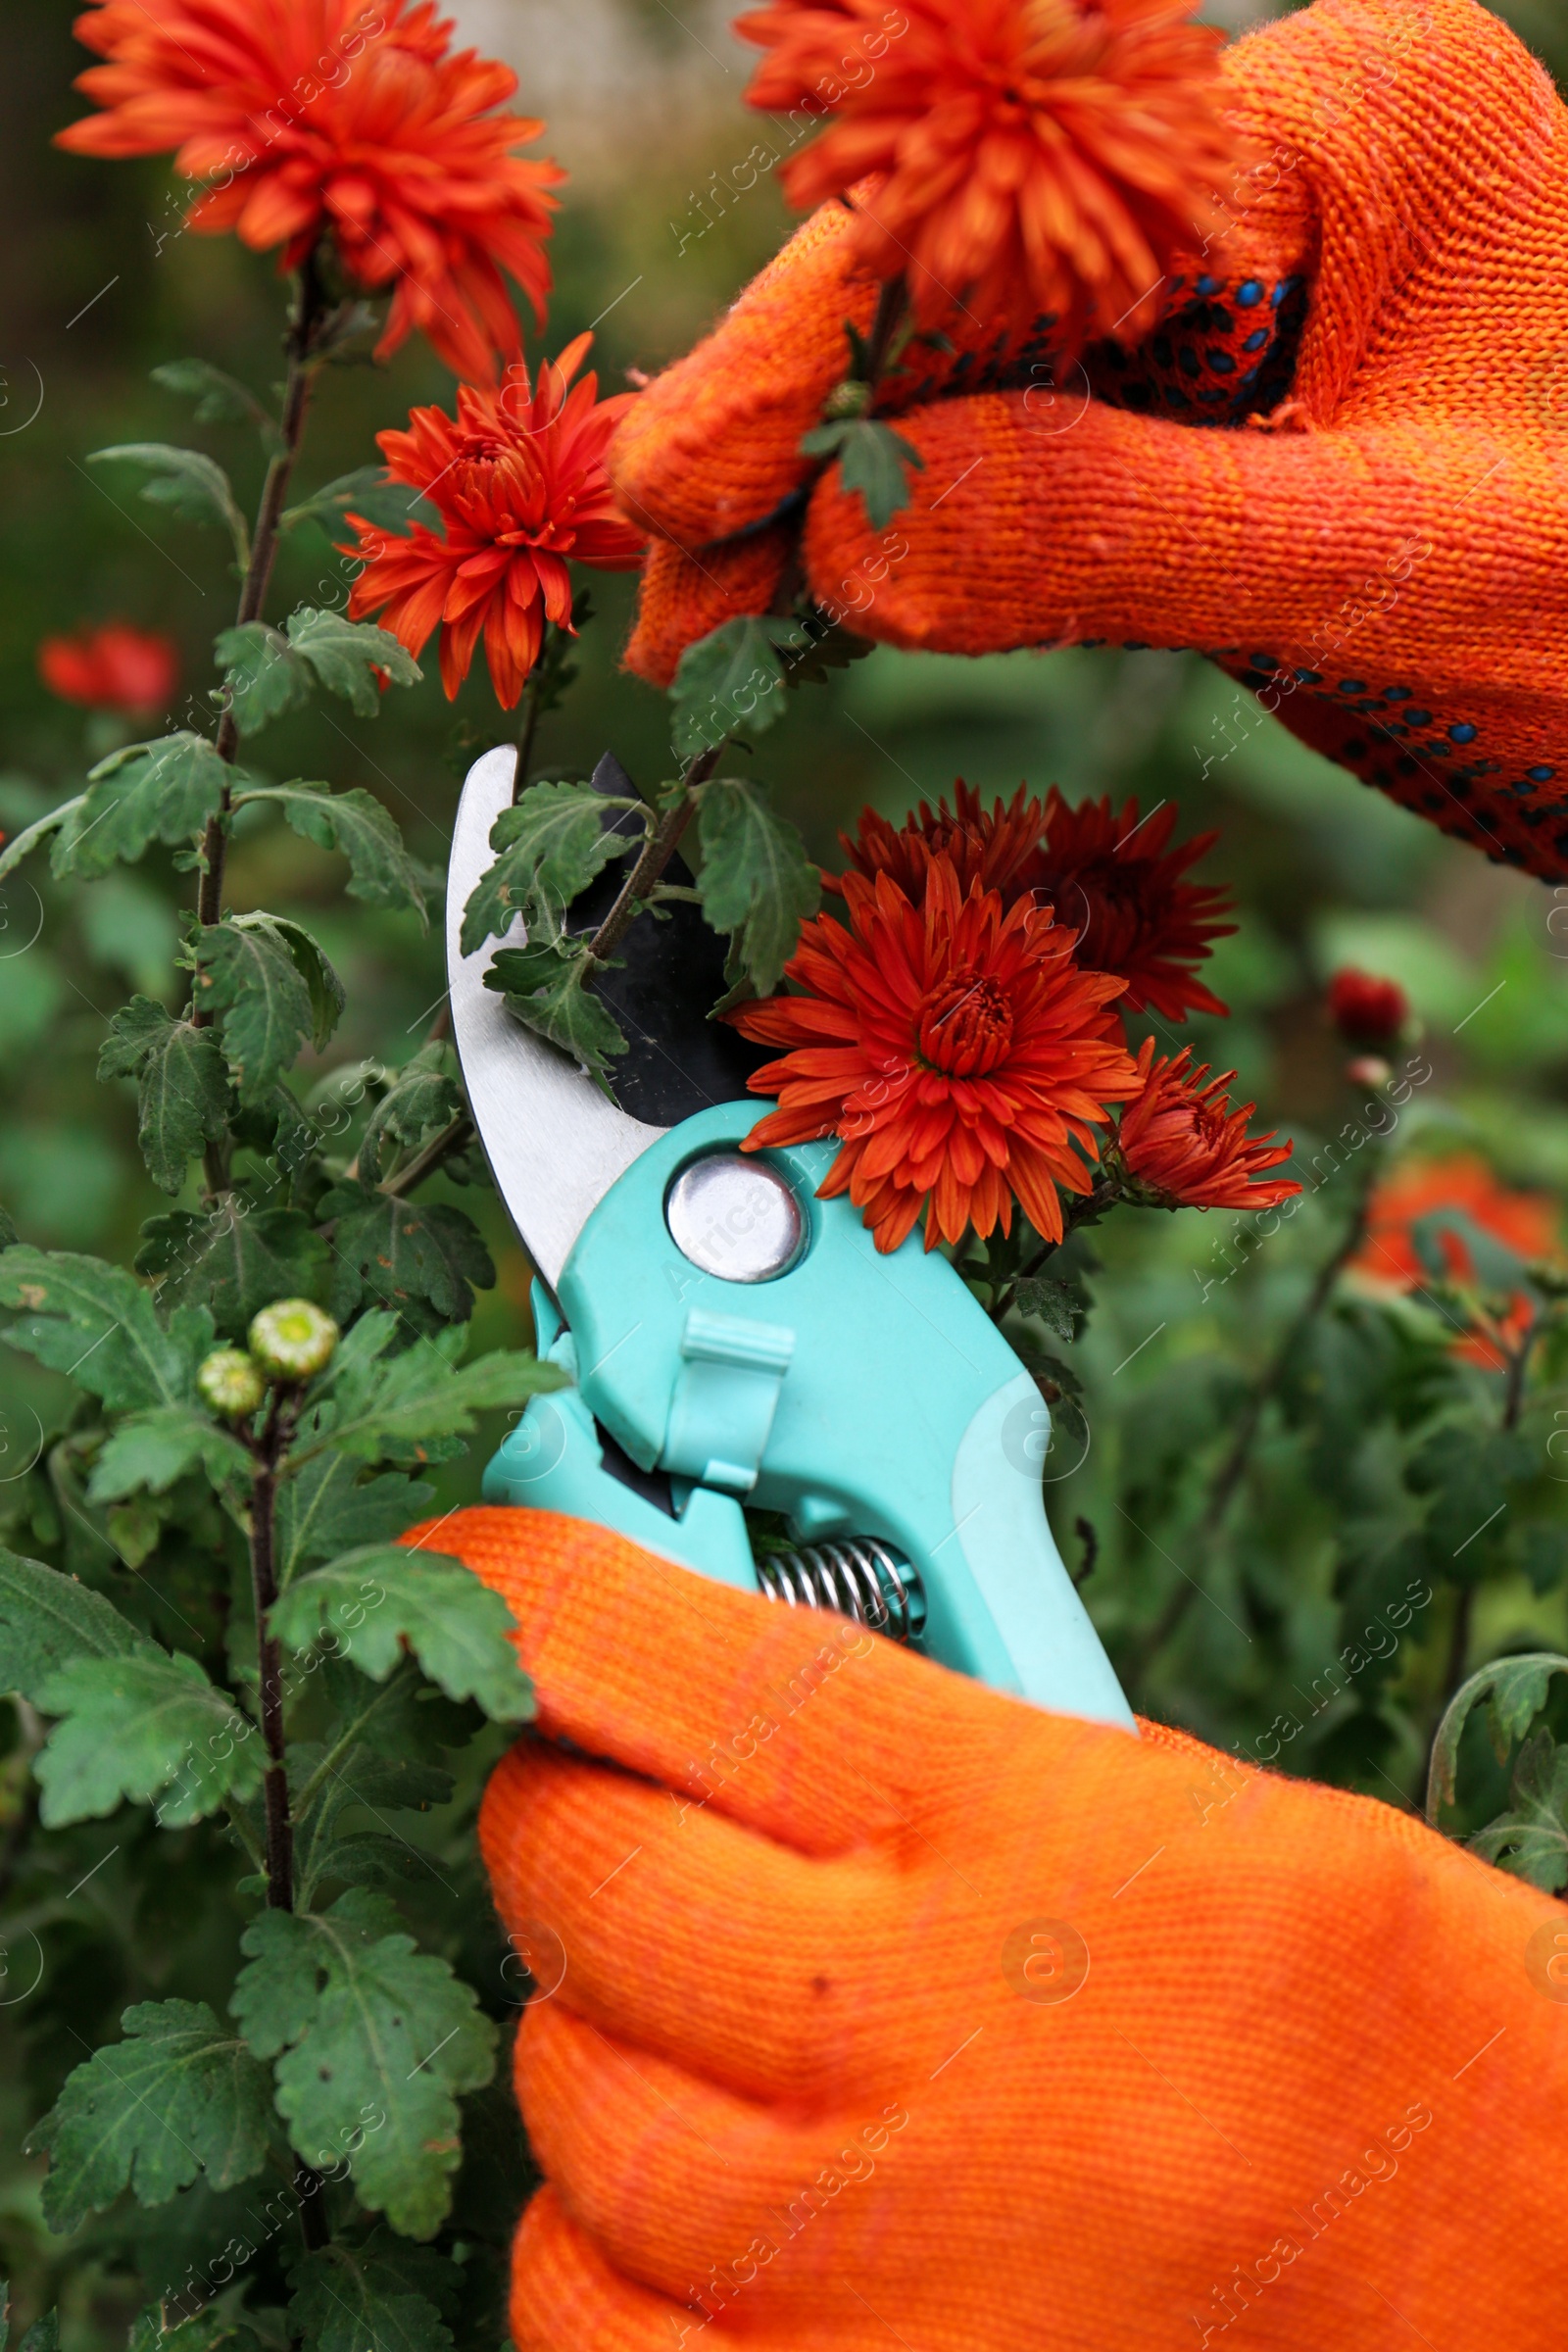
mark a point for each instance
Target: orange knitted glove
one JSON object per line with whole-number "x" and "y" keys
{"x": 885, "y": 2010}
{"x": 1380, "y": 542}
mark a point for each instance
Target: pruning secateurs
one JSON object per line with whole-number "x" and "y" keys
{"x": 739, "y": 1347}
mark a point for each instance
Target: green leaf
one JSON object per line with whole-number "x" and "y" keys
{"x": 546, "y": 988}
{"x": 1514, "y": 1691}
{"x": 373, "y": 2038}
{"x": 420, "y": 1100}
{"x": 207, "y": 2330}
{"x": 97, "y": 1323}
{"x": 133, "y": 1726}
{"x": 369, "y": 490}
{"x": 234, "y": 1261}
{"x": 1050, "y": 1301}
{"x": 43, "y": 2335}
{"x": 552, "y": 845}
{"x": 329, "y": 1505}
{"x": 47, "y": 1618}
{"x": 220, "y": 398}
{"x": 149, "y": 1452}
{"x": 1532, "y": 1839}
{"x": 384, "y": 1597}
{"x": 262, "y": 678}
{"x": 404, "y": 1251}
{"x": 275, "y": 989}
{"x": 756, "y": 880}
{"x": 182, "y": 1086}
{"x": 382, "y": 872}
{"x": 873, "y": 458}
{"x": 344, "y": 655}
{"x": 1469, "y": 1472}
{"x": 731, "y": 680}
{"x": 32, "y": 837}
{"x": 396, "y": 1410}
{"x": 384, "y": 2296}
{"x": 179, "y": 2097}
{"x": 195, "y": 488}
{"x": 163, "y": 790}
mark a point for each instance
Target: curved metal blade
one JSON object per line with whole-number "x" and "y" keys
{"x": 555, "y": 1143}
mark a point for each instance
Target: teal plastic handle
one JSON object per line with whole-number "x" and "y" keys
{"x": 857, "y": 1394}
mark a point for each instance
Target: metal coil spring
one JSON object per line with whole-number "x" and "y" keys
{"x": 859, "y": 1576}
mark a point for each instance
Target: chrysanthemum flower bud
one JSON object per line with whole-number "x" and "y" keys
{"x": 230, "y": 1382}
{"x": 293, "y": 1338}
{"x": 1367, "y": 1011}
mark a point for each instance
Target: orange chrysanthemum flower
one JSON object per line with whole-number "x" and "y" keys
{"x": 1112, "y": 876}
{"x": 304, "y": 117}
{"x": 1036, "y": 156}
{"x": 955, "y": 1049}
{"x": 520, "y": 482}
{"x": 1390, "y": 1263}
{"x": 112, "y": 668}
{"x": 1185, "y": 1147}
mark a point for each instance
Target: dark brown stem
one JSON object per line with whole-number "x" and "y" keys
{"x": 452, "y": 1138}
{"x": 1077, "y": 1213}
{"x": 1228, "y": 1477}
{"x": 890, "y": 308}
{"x": 308, "y": 306}
{"x": 652, "y": 858}
{"x": 535, "y": 699}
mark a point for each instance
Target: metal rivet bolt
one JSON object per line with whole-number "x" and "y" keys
{"x": 735, "y": 1217}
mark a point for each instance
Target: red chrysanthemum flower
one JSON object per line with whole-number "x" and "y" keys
{"x": 955, "y": 1047}
{"x": 1111, "y": 878}
{"x": 1367, "y": 1011}
{"x": 1038, "y": 156}
{"x": 1120, "y": 886}
{"x": 1184, "y": 1147}
{"x": 113, "y": 667}
{"x": 520, "y": 482}
{"x": 1389, "y": 1260}
{"x": 312, "y": 116}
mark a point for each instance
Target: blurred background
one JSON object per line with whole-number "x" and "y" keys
{"x": 98, "y": 285}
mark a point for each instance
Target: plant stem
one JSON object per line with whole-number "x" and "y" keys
{"x": 652, "y": 858}
{"x": 308, "y": 306}
{"x": 1087, "y": 1210}
{"x": 532, "y": 710}
{"x": 1464, "y": 1607}
{"x": 452, "y": 1138}
{"x": 890, "y": 308}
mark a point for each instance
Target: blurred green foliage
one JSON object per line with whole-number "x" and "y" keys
{"x": 1227, "y": 1614}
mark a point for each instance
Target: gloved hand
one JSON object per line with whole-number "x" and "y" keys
{"x": 887, "y": 2010}
{"x": 1375, "y": 542}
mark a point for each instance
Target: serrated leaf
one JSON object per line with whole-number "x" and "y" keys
{"x": 382, "y": 1597}
{"x": 1513, "y": 1691}
{"x": 551, "y": 845}
{"x": 1532, "y": 1839}
{"x": 394, "y": 1409}
{"x": 261, "y": 677}
{"x": 273, "y": 987}
{"x": 382, "y": 872}
{"x": 1050, "y": 1301}
{"x": 350, "y": 1777}
{"x": 97, "y": 1323}
{"x": 234, "y": 1261}
{"x": 192, "y": 485}
{"x": 404, "y": 1250}
{"x": 732, "y": 680}
{"x": 148, "y": 1452}
{"x": 547, "y": 992}
{"x": 384, "y": 2296}
{"x": 346, "y": 655}
{"x": 179, "y": 2097}
{"x": 756, "y": 881}
{"x": 46, "y": 1619}
{"x": 420, "y": 1100}
{"x": 210, "y": 2330}
{"x": 371, "y": 2038}
{"x": 163, "y": 790}
{"x": 369, "y": 490}
{"x": 182, "y": 1086}
{"x": 1468, "y": 1471}
{"x": 220, "y": 398}
{"x": 32, "y": 837}
{"x": 135, "y": 1726}
{"x": 329, "y": 1505}
{"x": 873, "y": 458}
{"x": 43, "y": 2335}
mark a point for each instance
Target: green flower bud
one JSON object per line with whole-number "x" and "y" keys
{"x": 231, "y": 1383}
{"x": 846, "y": 400}
{"x": 292, "y": 1339}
